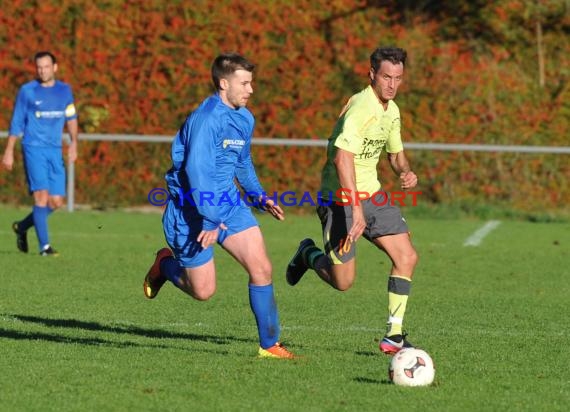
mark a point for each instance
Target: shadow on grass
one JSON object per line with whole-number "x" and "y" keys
{"x": 11, "y": 252}
{"x": 75, "y": 340}
{"x": 361, "y": 379}
{"x": 39, "y": 336}
{"x": 367, "y": 353}
{"x": 129, "y": 330}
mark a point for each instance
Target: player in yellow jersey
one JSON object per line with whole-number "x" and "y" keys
{"x": 353, "y": 203}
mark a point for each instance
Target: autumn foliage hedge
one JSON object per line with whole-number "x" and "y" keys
{"x": 478, "y": 72}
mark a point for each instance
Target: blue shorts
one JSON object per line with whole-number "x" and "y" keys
{"x": 44, "y": 169}
{"x": 182, "y": 225}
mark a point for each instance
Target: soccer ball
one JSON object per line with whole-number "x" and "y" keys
{"x": 411, "y": 367}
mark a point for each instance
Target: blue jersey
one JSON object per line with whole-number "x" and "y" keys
{"x": 209, "y": 153}
{"x": 40, "y": 113}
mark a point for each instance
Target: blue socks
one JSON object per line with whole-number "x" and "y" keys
{"x": 28, "y": 221}
{"x": 263, "y": 305}
{"x": 40, "y": 215}
{"x": 171, "y": 269}
{"x": 261, "y": 301}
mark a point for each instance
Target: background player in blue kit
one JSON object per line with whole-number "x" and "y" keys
{"x": 42, "y": 108}
{"x": 209, "y": 153}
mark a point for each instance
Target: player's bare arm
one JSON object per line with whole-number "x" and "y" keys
{"x": 401, "y": 167}
{"x": 8, "y": 158}
{"x": 344, "y": 163}
{"x": 73, "y": 129}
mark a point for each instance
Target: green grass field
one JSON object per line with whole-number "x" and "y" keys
{"x": 77, "y": 334}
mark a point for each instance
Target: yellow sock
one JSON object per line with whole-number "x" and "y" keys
{"x": 398, "y": 292}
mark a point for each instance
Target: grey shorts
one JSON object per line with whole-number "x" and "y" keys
{"x": 382, "y": 218}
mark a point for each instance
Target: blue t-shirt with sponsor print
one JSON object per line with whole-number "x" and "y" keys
{"x": 210, "y": 152}
{"x": 40, "y": 113}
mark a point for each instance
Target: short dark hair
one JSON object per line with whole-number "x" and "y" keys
{"x": 41, "y": 54}
{"x": 394, "y": 55}
{"x": 227, "y": 63}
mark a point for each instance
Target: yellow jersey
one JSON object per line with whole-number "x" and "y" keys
{"x": 363, "y": 128}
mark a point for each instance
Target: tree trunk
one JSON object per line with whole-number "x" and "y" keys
{"x": 540, "y": 51}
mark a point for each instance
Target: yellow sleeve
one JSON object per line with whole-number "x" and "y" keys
{"x": 347, "y": 131}
{"x": 394, "y": 143}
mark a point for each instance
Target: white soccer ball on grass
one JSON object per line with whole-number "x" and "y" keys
{"x": 411, "y": 367}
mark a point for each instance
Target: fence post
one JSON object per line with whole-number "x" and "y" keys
{"x": 70, "y": 186}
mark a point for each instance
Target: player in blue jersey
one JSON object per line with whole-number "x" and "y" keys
{"x": 209, "y": 153}
{"x": 42, "y": 108}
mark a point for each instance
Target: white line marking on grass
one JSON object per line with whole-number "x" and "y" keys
{"x": 98, "y": 233}
{"x": 349, "y": 328}
{"x": 476, "y": 238}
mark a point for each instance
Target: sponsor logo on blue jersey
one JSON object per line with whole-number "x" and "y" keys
{"x": 51, "y": 114}
{"x": 233, "y": 143}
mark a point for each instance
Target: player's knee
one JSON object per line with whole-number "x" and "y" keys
{"x": 407, "y": 261}
{"x": 262, "y": 274}
{"x": 343, "y": 285}
{"x": 55, "y": 202}
{"x": 199, "y": 291}
{"x": 266, "y": 269}
{"x": 343, "y": 279}
{"x": 203, "y": 294}
{"x": 41, "y": 198}
{"x": 414, "y": 257}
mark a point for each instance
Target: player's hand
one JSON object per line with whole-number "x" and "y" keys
{"x": 358, "y": 224}
{"x": 8, "y": 160}
{"x": 207, "y": 238}
{"x": 72, "y": 152}
{"x": 408, "y": 180}
{"x": 274, "y": 209}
